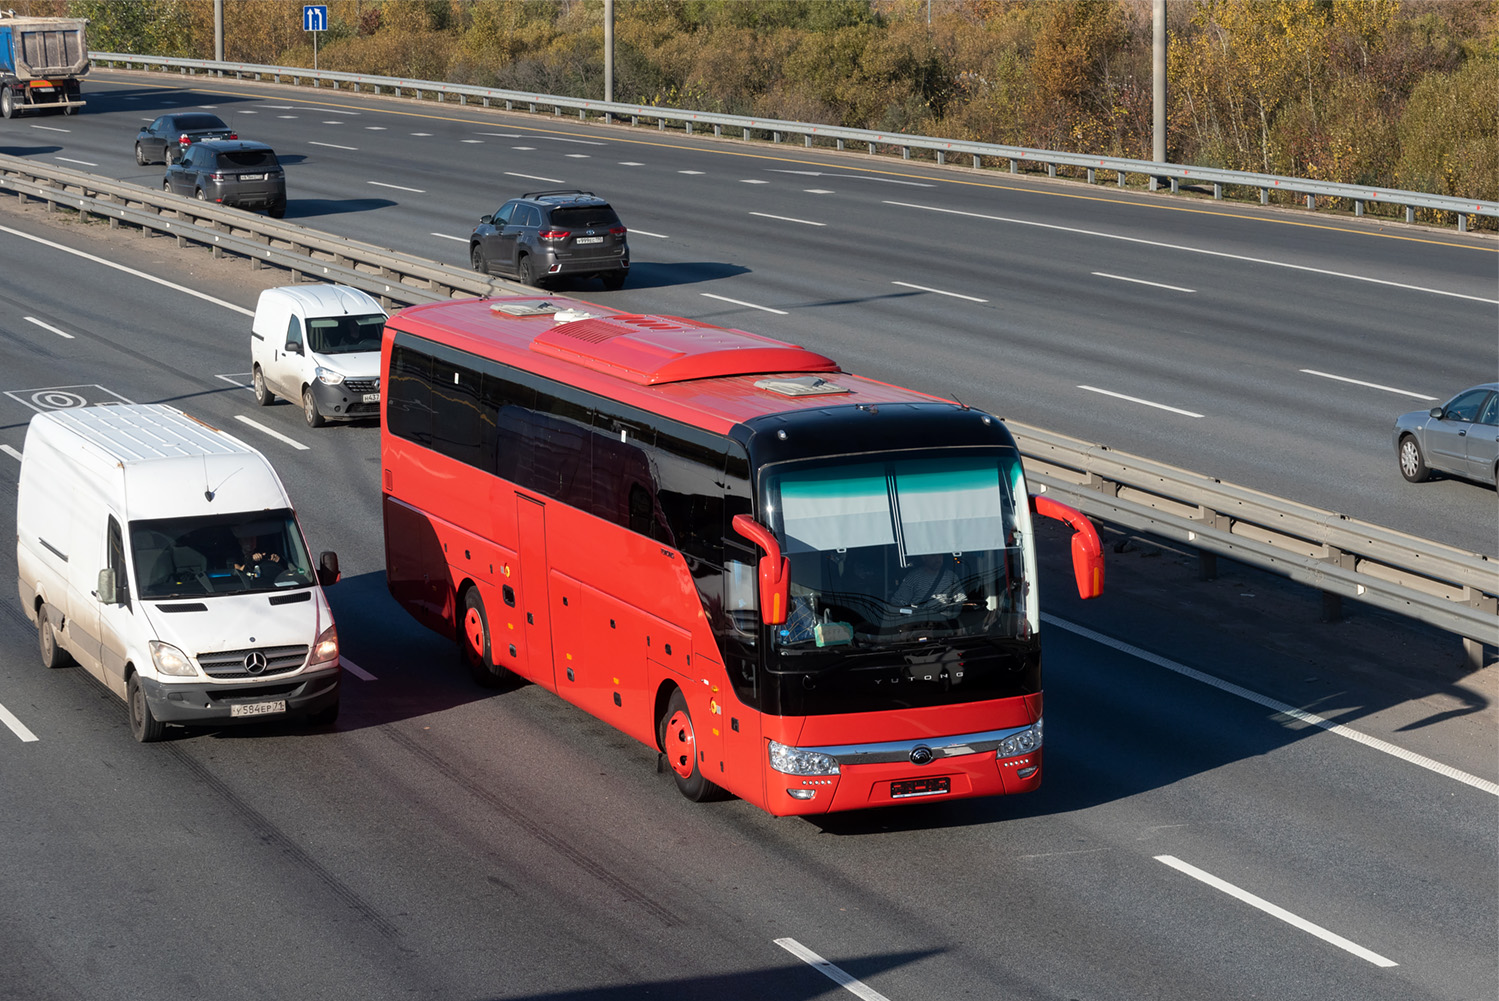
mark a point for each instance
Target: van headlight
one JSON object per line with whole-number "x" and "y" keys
{"x": 171, "y": 661}
{"x": 326, "y": 647}
{"x": 1024, "y": 742}
{"x": 328, "y": 377}
{"x": 796, "y": 761}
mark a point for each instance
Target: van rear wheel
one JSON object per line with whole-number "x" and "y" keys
{"x": 263, "y": 395}
{"x": 52, "y": 654}
{"x": 145, "y": 727}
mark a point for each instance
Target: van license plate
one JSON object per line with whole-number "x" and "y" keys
{"x": 371, "y": 397}
{"x": 589, "y": 239}
{"x": 919, "y": 787}
{"x": 258, "y": 708}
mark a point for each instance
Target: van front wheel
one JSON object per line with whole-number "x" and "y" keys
{"x": 52, "y": 654}
{"x": 144, "y": 727}
{"x": 310, "y": 410}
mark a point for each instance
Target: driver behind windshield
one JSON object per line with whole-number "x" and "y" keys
{"x": 256, "y": 557}
{"x": 929, "y": 582}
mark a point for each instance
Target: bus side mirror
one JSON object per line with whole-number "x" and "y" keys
{"x": 108, "y": 589}
{"x": 1087, "y": 550}
{"x": 327, "y": 569}
{"x": 775, "y": 570}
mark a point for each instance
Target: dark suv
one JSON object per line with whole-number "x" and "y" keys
{"x": 238, "y": 173}
{"x": 548, "y": 234}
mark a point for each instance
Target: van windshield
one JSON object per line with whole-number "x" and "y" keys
{"x": 344, "y": 335}
{"x": 235, "y": 553}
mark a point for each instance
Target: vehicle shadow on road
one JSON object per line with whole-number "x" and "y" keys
{"x": 647, "y": 274}
{"x": 306, "y": 208}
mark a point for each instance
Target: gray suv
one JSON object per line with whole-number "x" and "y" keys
{"x": 230, "y": 172}
{"x": 548, "y": 234}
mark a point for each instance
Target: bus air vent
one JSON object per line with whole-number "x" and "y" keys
{"x": 806, "y": 385}
{"x": 526, "y": 308}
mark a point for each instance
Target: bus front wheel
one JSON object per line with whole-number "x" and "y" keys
{"x": 473, "y": 643}
{"x": 679, "y": 745}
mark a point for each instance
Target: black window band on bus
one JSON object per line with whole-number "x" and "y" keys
{"x": 670, "y": 481}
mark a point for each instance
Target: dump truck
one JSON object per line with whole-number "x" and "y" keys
{"x": 41, "y": 62}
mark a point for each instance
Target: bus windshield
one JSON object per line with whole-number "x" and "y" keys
{"x": 235, "y": 553}
{"x": 889, "y": 552}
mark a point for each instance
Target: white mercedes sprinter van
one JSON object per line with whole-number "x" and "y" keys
{"x": 319, "y": 346}
{"x": 164, "y": 556}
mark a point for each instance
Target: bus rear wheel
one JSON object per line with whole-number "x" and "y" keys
{"x": 679, "y": 745}
{"x": 473, "y": 643}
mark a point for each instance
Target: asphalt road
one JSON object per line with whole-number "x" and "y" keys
{"x": 447, "y": 842}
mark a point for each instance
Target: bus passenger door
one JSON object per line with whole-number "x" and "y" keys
{"x": 531, "y": 545}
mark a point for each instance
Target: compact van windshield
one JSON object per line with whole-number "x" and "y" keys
{"x": 234, "y": 553}
{"x": 344, "y": 335}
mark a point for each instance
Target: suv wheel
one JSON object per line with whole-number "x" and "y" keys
{"x": 478, "y": 260}
{"x": 526, "y": 272}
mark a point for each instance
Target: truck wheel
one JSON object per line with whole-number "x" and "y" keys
{"x": 679, "y": 744}
{"x": 52, "y": 654}
{"x": 144, "y": 727}
{"x": 7, "y": 103}
{"x": 310, "y": 410}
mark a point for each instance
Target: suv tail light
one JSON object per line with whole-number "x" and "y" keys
{"x": 553, "y": 235}
{"x": 617, "y": 231}
{"x": 234, "y": 135}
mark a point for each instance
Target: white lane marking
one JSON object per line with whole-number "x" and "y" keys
{"x": 49, "y": 128}
{"x": 273, "y": 433}
{"x": 325, "y": 123}
{"x": 375, "y": 128}
{"x": 753, "y": 180}
{"x": 580, "y": 142}
{"x": 1367, "y": 385}
{"x": 424, "y": 135}
{"x": 355, "y": 669}
{"x": 129, "y": 271}
{"x": 86, "y": 163}
{"x": 237, "y": 381}
{"x": 1141, "y": 281}
{"x": 1275, "y": 911}
{"x": 852, "y": 984}
{"x": 693, "y": 173}
{"x": 1136, "y": 399}
{"x": 473, "y": 142}
{"x": 818, "y": 191}
{"x": 629, "y": 163}
{"x": 450, "y": 236}
{"x": 855, "y": 177}
{"x": 503, "y": 135}
{"x": 525, "y": 149}
{"x": 16, "y": 726}
{"x": 938, "y": 291}
{"x": 642, "y": 232}
{"x": 1192, "y": 250}
{"x": 533, "y": 177}
{"x": 738, "y": 302}
{"x": 1384, "y": 747}
{"x": 351, "y": 149}
{"x": 398, "y": 187}
{"x": 13, "y": 453}
{"x": 287, "y": 116}
{"x": 48, "y": 326}
{"x": 578, "y": 156}
{"x": 782, "y": 218}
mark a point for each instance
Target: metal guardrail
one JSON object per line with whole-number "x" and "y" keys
{"x": 1442, "y": 586}
{"x": 1174, "y": 174}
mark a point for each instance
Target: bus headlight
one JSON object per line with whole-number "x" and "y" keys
{"x": 1024, "y": 742}
{"x": 329, "y": 377}
{"x": 326, "y": 647}
{"x": 170, "y": 660}
{"x": 795, "y": 761}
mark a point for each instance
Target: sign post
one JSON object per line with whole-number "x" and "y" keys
{"x": 315, "y": 19}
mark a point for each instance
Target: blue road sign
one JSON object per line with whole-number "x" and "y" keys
{"x": 315, "y": 18}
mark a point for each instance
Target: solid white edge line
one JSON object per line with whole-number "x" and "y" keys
{"x": 1136, "y": 399}
{"x": 1191, "y": 250}
{"x": 13, "y": 453}
{"x": 398, "y": 187}
{"x": 129, "y": 271}
{"x": 273, "y": 433}
{"x": 1312, "y": 719}
{"x": 450, "y": 236}
{"x": 938, "y": 291}
{"x": 533, "y": 177}
{"x": 852, "y": 984}
{"x": 738, "y": 302}
{"x": 16, "y": 726}
{"x": 784, "y": 218}
{"x": 351, "y": 149}
{"x": 641, "y": 232}
{"x": 1366, "y": 385}
{"x": 1275, "y": 911}
{"x": 48, "y": 326}
{"x": 86, "y": 163}
{"x": 1141, "y": 281}
{"x": 355, "y": 669}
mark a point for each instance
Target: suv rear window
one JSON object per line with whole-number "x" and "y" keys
{"x": 248, "y": 158}
{"x": 585, "y": 216}
{"x": 198, "y": 122}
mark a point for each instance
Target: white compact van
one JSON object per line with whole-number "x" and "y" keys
{"x": 318, "y": 346}
{"x": 164, "y": 556}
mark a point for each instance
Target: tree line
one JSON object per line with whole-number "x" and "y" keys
{"x": 1389, "y": 93}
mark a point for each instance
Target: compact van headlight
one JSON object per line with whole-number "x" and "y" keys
{"x": 796, "y": 761}
{"x": 171, "y": 661}
{"x": 1024, "y": 742}
{"x": 326, "y": 647}
{"x": 328, "y": 377}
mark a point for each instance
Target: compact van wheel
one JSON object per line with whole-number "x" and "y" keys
{"x": 1412, "y": 463}
{"x": 263, "y": 395}
{"x": 145, "y": 727}
{"x": 52, "y": 654}
{"x": 679, "y": 744}
{"x": 310, "y": 411}
{"x": 473, "y": 643}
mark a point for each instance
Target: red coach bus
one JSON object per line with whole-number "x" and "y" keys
{"x": 807, "y": 588}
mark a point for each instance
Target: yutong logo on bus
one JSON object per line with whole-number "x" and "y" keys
{"x": 921, "y": 755}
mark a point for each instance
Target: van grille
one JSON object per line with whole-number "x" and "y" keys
{"x": 237, "y": 663}
{"x": 362, "y": 385}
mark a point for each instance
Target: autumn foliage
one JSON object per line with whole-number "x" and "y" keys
{"x": 1393, "y": 93}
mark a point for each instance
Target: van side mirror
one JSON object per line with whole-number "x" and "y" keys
{"x": 108, "y": 588}
{"x": 1087, "y": 550}
{"x": 775, "y": 570}
{"x": 327, "y": 568}
{"x": 293, "y": 347}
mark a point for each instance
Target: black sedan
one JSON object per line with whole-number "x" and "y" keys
{"x": 164, "y": 140}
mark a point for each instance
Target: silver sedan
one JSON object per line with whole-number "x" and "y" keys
{"x": 1461, "y": 437}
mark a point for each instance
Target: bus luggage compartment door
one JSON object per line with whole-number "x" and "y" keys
{"x": 531, "y": 544}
